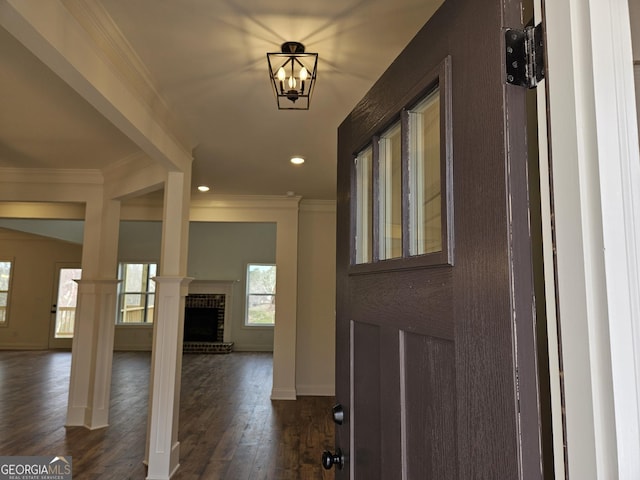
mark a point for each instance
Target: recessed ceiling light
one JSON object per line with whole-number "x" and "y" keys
{"x": 297, "y": 160}
{"x": 203, "y": 188}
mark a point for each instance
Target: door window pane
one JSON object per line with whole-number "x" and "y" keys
{"x": 425, "y": 229}
{"x": 364, "y": 206}
{"x": 390, "y": 193}
{"x": 66, "y": 302}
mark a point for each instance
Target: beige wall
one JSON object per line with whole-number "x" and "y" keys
{"x": 31, "y": 294}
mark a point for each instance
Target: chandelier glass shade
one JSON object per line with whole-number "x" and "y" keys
{"x": 293, "y": 76}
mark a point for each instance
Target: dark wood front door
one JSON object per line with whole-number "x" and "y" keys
{"x": 436, "y": 364}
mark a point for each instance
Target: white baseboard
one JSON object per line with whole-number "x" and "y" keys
{"x": 316, "y": 390}
{"x": 252, "y": 348}
{"x": 132, "y": 348}
{"x": 22, "y": 346}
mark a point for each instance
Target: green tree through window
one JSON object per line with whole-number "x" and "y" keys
{"x": 261, "y": 295}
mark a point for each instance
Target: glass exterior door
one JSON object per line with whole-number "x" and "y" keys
{"x": 63, "y": 307}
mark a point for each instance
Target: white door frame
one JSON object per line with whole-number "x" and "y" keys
{"x": 596, "y": 194}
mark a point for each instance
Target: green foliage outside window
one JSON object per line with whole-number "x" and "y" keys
{"x": 261, "y": 295}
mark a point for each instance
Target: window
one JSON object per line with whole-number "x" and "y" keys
{"x": 402, "y": 203}
{"x": 136, "y": 293}
{"x": 5, "y": 283}
{"x": 261, "y": 295}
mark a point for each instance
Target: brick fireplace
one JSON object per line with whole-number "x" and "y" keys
{"x": 207, "y": 310}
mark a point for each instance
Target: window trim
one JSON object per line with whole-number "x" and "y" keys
{"x": 12, "y": 261}
{"x": 246, "y": 324}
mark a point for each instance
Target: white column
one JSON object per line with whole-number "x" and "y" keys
{"x": 284, "y": 334}
{"x": 92, "y": 347}
{"x": 90, "y": 388}
{"x": 163, "y": 448}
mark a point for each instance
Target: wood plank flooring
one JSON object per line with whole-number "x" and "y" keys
{"x": 229, "y": 428}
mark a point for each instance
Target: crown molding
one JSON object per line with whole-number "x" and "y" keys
{"x": 319, "y": 206}
{"x": 133, "y": 160}
{"x": 257, "y": 202}
{"x": 127, "y": 166}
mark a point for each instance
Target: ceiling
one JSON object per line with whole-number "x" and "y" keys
{"x": 207, "y": 61}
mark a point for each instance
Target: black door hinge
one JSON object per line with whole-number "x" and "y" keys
{"x": 524, "y": 56}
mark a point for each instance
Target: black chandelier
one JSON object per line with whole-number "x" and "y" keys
{"x": 293, "y": 76}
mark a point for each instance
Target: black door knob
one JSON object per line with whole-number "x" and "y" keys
{"x": 330, "y": 459}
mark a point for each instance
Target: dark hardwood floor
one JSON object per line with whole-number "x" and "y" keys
{"x": 229, "y": 428}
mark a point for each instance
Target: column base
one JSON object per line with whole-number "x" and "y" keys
{"x": 82, "y": 417}
{"x": 75, "y": 417}
{"x": 172, "y": 468}
{"x": 283, "y": 394}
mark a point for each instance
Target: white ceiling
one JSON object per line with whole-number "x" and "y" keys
{"x": 207, "y": 60}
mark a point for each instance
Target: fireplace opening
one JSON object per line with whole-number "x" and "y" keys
{"x": 201, "y": 325}
{"x": 204, "y": 324}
